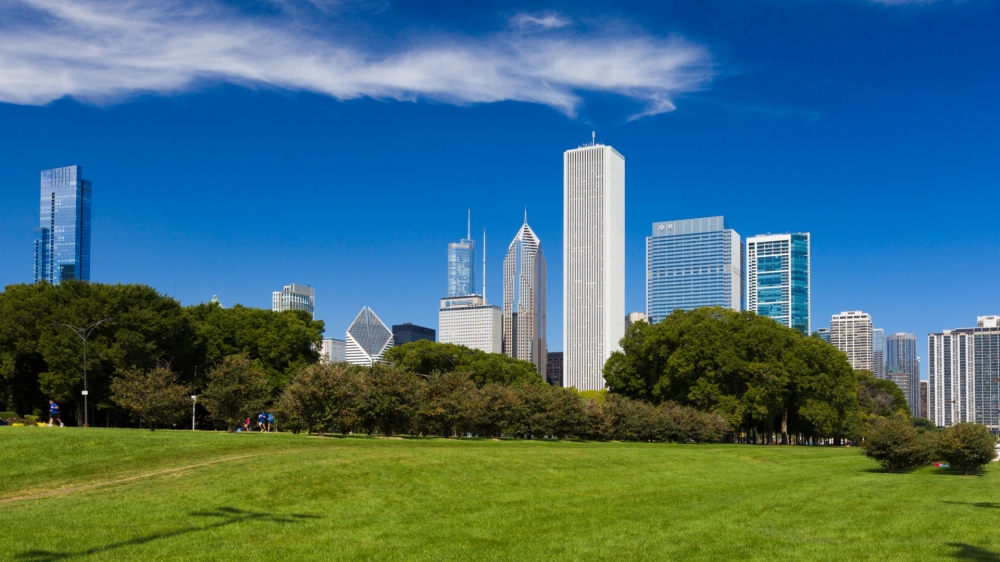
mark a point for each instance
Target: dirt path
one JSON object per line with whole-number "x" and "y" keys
{"x": 64, "y": 491}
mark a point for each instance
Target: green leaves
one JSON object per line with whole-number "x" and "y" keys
{"x": 967, "y": 446}
{"x": 152, "y": 396}
{"x": 427, "y": 357}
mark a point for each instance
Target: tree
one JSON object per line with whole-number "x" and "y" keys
{"x": 152, "y": 396}
{"x": 967, "y": 446}
{"x": 448, "y": 404}
{"x": 427, "y": 357}
{"x": 880, "y": 397}
{"x": 895, "y": 444}
{"x": 237, "y": 388}
{"x": 389, "y": 400}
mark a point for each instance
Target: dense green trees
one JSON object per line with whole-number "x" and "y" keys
{"x": 39, "y": 360}
{"x": 762, "y": 377}
{"x": 426, "y": 357}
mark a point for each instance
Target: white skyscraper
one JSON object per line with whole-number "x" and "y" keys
{"x": 593, "y": 262}
{"x": 964, "y": 369}
{"x": 294, "y": 297}
{"x": 524, "y": 320}
{"x": 469, "y": 321}
{"x": 851, "y": 332}
{"x": 367, "y": 339}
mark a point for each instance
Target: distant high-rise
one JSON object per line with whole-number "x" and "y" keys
{"x": 778, "y": 278}
{"x": 901, "y": 358}
{"x": 367, "y": 339}
{"x": 851, "y": 332}
{"x": 294, "y": 297}
{"x": 462, "y": 265}
{"x": 964, "y": 368}
{"x": 925, "y": 393}
{"x": 408, "y": 333}
{"x": 469, "y": 321}
{"x": 524, "y": 303}
{"x": 593, "y": 262}
{"x": 824, "y": 334}
{"x": 554, "y": 368}
{"x": 693, "y": 263}
{"x": 878, "y": 353}
{"x": 333, "y": 351}
{"x": 62, "y": 239}
{"x": 633, "y": 317}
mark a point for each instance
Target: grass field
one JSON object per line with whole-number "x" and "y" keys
{"x": 69, "y": 494}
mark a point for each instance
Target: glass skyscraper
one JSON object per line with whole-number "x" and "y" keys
{"x": 524, "y": 301}
{"x": 778, "y": 278}
{"x": 903, "y": 365}
{"x": 693, "y": 263}
{"x": 462, "y": 266}
{"x": 62, "y": 239}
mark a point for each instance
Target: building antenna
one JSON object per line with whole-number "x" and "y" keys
{"x": 525, "y": 214}
{"x": 484, "y": 266}
{"x": 468, "y": 232}
{"x": 593, "y": 138}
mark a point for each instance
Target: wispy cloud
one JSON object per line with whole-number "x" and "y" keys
{"x": 106, "y": 50}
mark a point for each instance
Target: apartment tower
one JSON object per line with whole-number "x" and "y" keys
{"x": 851, "y": 332}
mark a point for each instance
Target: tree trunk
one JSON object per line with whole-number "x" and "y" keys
{"x": 784, "y": 428}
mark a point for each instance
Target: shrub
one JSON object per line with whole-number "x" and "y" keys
{"x": 895, "y": 444}
{"x": 968, "y": 446}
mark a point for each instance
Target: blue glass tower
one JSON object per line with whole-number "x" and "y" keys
{"x": 693, "y": 263}
{"x": 462, "y": 266}
{"x": 62, "y": 240}
{"x": 778, "y": 278}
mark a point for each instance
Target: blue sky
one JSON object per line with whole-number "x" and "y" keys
{"x": 238, "y": 147}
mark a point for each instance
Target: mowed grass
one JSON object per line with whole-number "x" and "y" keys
{"x": 293, "y": 497}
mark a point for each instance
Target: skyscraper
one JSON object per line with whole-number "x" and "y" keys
{"x": 778, "y": 275}
{"x": 333, "y": 351}
{"x": 367, "y": 339}
{"x": 824, "y": 334}
{"x": 407, "y": 332}
{"x": 693, "y": 263}
{"x": 901, "y": 358}
{"x": 524, "y": 303}
{"x": 62, "y": 239}
{"x": 964, "y": 368}
{"x": 851, "y": 332}
{"x": 469, "y": 321}
{"x": 878, "y": 353}
{"x": 294, "y": 297}
{"x": 593, "y": 262}
{"x": 462, "y": 265}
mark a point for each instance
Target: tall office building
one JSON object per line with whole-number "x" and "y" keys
{"x": 593, "y": 262}
{"x": 778, "y": 278}
{"x": 524, "y": 303}
{"x": 469, "y": 321}
{"x": 294, "y": 297}
{"x": 903, "y": 366}
{"x": 408, "y": 332}
{"x": 925, "y": 393}
{"x": 62, "y": 239}
{"x": 554, "y": 368}
{"x": 878, "y": 353}
{"x": 633, "y": 317}
{"x": 462, "y": 265}
{"x": 693, "y": 263}
{"x": 824, "y": 334}
{"x": 851, "y": 332}
{"x": 964, "y": 368}
{"x": 367, "y": 339}
{"x": 333, "y": 351}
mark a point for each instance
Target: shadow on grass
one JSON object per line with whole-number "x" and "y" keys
{"x": 987, "y": 505}
{"x": 226, "y": 515}
{"x": 973, "y": 553}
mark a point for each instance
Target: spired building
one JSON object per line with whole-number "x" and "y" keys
{"x": 593, "y": 262}
{"x": 462, "y": 265}
{"x": 851, "y": 332}
{"x": 62, "y": 239}
{"x": 367, "y": 339}
{"x": 524, "y": 320}
{"x": 964, "y": 368}
{"x": 903, "y": 367}
{"x": 294, "y": 297}
{"x": 778, "y": 278}
{"x": 693, "y": 263}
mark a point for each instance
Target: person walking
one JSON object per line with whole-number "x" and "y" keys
{"x": 54, "y": 413}
{"x": 270, "y": 422}
{"x": 262, "y": 422}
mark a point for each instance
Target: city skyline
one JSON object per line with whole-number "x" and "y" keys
{"x": 791, "y": 134}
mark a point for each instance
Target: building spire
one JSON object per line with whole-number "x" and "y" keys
{"x": 468, "y": 232}
{"x": 484, "y": 266}
{"x": 525, "y": 214}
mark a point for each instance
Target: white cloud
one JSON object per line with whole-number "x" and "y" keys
{"x": 547, "y": 21}
{"x": 105, "y": 50}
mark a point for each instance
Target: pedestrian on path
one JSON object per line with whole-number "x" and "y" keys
{"x": 270, "y": 422}
{"x": 54, "y": 413}
{"x": 262, "y": 422}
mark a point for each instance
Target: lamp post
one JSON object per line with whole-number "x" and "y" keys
{"x": 84, "y": 333}
{"x": 194, "y": 402}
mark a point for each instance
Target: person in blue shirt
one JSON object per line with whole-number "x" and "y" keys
{"x": 270, "y": 422}
{"x": 262, "y": 421}
{"x": 54, "y": 413}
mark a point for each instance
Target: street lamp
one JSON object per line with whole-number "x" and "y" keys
{"x": 84, "y": 333}
{"x": 194, "y": 402}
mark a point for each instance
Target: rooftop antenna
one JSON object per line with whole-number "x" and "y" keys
{"x": 593, "y": 138}
{"x": 468, "y": 232}
{"x": 525, "y": 214}
{"x": 484, "y": 266}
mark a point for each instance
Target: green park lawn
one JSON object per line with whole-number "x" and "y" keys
{"x": 292, "y": 497}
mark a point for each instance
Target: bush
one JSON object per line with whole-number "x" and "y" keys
{"x": 968, "y": 446}
{"x": 895, "y": 444}
{"x": 8, "y": 415}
